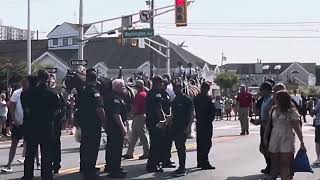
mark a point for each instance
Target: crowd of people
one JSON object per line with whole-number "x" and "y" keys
{"x": 160, "y": 116}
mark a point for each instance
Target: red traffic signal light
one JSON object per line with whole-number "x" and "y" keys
{"x": 181, "y": 12}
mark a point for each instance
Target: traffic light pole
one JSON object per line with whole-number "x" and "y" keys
{"x": 151, "y": 60}
{"x": 81, "y": 31}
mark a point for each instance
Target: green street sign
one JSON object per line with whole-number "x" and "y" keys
{"x": 138, "y": 33}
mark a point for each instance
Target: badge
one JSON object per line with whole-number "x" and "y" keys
{"x": 158, "y": 95}
{"x": 96, "y": 95}
{"x": 116, "y": 101}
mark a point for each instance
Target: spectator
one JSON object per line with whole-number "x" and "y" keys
{"x": 284, "y": 119}
{"x": 3, "y": 111}
{"x": 218, "y": 104}
{"x": 316, "y": 124}
{"x": 244, "y": 99}
{"x": 228, "y": 103}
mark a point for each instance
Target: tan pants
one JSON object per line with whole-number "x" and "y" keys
{"x": 244, "y": 118}
{"x": 138, "y": 131}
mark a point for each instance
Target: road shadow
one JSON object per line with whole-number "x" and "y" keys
{"x": 315, "y": 166}
{"x": 251, "y": 177}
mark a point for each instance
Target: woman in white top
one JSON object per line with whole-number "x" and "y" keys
{"x": 284, "y": 121}
{"x": 3, "y": 111}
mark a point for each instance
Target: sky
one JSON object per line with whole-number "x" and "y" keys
{"x": 238, "y": 28}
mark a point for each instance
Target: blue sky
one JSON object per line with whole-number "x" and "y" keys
{"x": 202, "y": 16}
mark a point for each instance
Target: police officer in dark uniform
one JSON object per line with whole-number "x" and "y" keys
{"x": 165, "y": 138}
{"x": 58, "y": 118}
{"x": 91, "y": 117}
{"x": 205, "y": 113}
{"x": 42, "y": 104}
{"x": 154, "y": 115}
{"x": 117, "y": 117}
{"x": 181, "y": 120}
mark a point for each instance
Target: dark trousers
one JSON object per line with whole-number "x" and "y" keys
{"x": 114, "y": 148}
{"x": 204, "y": 143}
{"x": 56, "y": 154}
{"x": 263, "y": 150}
{"x": 46, "y": 158}
{"x": 89, "y": 149}
{"x": 180, "y": 142}
{"x": 165, "y": 154}
{"x": 155, "y": 147}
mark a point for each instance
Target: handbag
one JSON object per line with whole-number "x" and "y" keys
{"x": 302, "y": 163}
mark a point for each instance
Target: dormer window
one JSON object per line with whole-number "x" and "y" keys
{"x": 55, "y": 42}
{"x": 65, "y": 42}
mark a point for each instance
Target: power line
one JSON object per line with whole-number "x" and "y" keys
{"x": 306, "y": 24}
{"x": 242, "y": 37}
{"x": 237, "y": 29}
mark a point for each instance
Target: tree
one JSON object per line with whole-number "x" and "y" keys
{"x": 226, "y": 80}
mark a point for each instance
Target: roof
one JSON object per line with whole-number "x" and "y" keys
{"x": 250, "y": 68}
{"x": 74, "y": 26}
{"x": 106, "y": 50}
{"x": 16, "y": 50}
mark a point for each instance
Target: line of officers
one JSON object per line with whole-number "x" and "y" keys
{"x": 108, "y": 109}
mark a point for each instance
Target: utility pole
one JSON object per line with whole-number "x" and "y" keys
{"x": 81, "y": 32}
{"x": 29, "y": 41}
{"x": 151, "y": 60}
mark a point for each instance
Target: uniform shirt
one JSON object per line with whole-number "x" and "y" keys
{"x": 89, "y": 99}
{"x": 138, "y": 102}
{"x": 317, "y": 111}
{"x": 205, "y": 110}
{"x": 18, "y": 114}
{"x": 244, "y": 99}
{"x": 42, "y": 105}
{"x": 153, "y": 102}
{"x": 265, "y": 108}
{"x": 179, "y": 71}
{"x": 297, "y": 98}
{"x": 228, "y": 104}
{"x": 182, "y": 107}
{"x": 114, "y": 104}
{"x": 166, "y": 103}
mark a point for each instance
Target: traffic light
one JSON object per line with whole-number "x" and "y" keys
{"x": 181, "y": 12}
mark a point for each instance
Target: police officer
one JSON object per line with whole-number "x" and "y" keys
{"x": 181, "y": 119}
{"x": 154, "y": 115}
{"x": 43, "y": 103}
{"x": 91, "y": 117}
{"x": 58, "y": 118}
{"x": 205, "y": 113}
{"x": 165, "y": 137}
{"x": 117, "y": 117}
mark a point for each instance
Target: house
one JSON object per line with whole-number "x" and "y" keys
{"x": 105, "y": 54}
{"x": 13, "y": 33}
{"x": 253, "y": 74}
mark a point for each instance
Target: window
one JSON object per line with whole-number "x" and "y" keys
{"x": 65, "y": 42}
{"x": 74, "y": 41}
{"x": 55, "y": 42}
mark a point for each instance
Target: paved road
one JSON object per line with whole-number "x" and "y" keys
{"x": 235, "y": 157}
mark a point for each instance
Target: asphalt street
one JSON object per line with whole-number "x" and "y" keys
{"x": 235, "y": 157}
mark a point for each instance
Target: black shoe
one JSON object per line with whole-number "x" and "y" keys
{"x": 265, "y": 171}
{"x": 180, "y": 172}
{"x": 56, "y": 171}
{"x": 167, "y": 165}
{"x": 119, "y": 175}
{"x": 126, "y": 156}
{"x": 242, "y": 133}
{"x": 106, "y": 170}
{"x": 154, "y": 169}
{"x": 247, "y": 132}
{"x": 143, "y": 157}
{"x": 208, "y": 167}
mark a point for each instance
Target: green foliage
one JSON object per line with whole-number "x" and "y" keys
{"x": 227, "y": 80}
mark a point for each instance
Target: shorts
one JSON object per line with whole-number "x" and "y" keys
{"x": 17, "y": 132}
{"x": 317, "y": 135}
{"x": 3, "y": 119}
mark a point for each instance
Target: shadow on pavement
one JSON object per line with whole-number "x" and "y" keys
{"x": 251, "y": 177}
{"x": 315, "y": 166}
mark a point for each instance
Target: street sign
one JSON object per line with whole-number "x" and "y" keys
{"x": 145, "y": 16}
{"x": 138, "y": 33}
{"x": 79, "y": 62}
{"x": 126, "y": 21}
